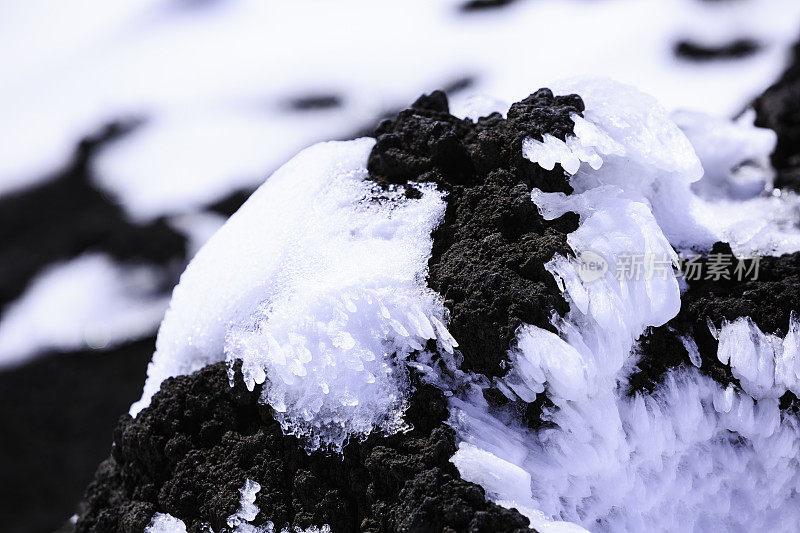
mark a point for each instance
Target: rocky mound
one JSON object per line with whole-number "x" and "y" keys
{"x": 191, "y": 450}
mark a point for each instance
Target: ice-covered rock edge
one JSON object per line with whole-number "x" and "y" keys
{"x": 692, "y": 456}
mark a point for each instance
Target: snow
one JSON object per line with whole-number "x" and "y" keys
{"x": 209, "y": 78}
{"x": 692, "y": 456}
{"x": 247, "y": 508}
{"x": 165, "y": 523}
{"x": 320, "y": 292}
{"x": 88, "y": 302}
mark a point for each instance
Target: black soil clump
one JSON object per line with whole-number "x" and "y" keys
{"x": 193, "y": 448}
{"x": 768, "y": 300}
{"x": 779, "y": 109}
{"x": 737, "y": 49}
{"x": 57, "y": 416}
{"x": 489, "y": 251}
{"x": 67, "y": 216}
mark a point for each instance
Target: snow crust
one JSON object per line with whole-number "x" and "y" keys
{"x": 88, "y": 302}
{"x": 692, "y": 456}
{"x": 319, "y": 290}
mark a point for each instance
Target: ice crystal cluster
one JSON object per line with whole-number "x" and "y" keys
{"x": 317, "y": 286}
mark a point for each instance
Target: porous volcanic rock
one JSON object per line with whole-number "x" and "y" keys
{"x": 200, "y": 439}
{"x": 489, "y": 251}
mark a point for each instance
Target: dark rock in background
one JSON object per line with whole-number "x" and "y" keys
{"x": 67, "y": 216}
{"x": 737, "y": 49}
{"x": 57, "y": 416}
{"x": 56, "y": 412}
{"x": 779, "y": 109}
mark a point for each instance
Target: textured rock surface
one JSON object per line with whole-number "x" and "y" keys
{"x": 489, "y": 252}
{"x": 191, "y": 450}
{"x": 768, "y": 300}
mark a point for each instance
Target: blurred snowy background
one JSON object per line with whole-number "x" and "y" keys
{"x": 131, "y": 129}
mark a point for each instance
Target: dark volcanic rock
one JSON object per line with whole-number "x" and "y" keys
{"x": 484, "y": 5}
{"x": 57, "y": 416}
{"x": 192, "y": 449}
{"x": 489, "y": 252}
{"x": 67, "y": 216}
{"x": 779, "y": 109}
{"x": 314, "y": 102}
{"x": 769, "y": 300}
{"x": 699, "y": 52}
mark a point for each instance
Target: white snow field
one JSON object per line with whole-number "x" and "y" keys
{"x": 210, "y": 78}
{"x": 313, "y": 283}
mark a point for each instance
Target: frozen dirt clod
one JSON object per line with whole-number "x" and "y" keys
{"x": 190, "y": 451}
{"x": 489, "y": 251}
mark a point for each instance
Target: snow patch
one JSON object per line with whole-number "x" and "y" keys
{"x": 88, "y": 302}
{"x": 317, "y": 284}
